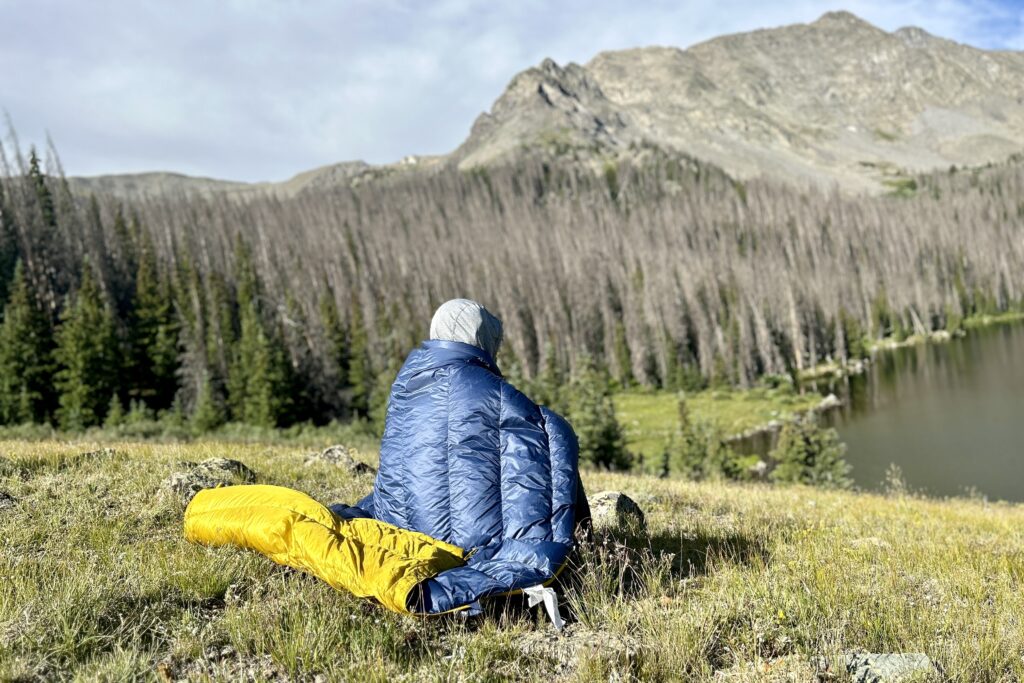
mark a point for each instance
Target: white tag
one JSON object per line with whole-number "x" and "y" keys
{"x": 539, "y": 593}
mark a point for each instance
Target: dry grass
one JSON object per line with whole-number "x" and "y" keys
{"x": 735, "y": 582}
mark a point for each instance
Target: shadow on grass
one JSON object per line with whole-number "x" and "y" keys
{"x": 628, "y": 565}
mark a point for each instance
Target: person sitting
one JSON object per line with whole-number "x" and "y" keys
{"x": 468, "y": 459}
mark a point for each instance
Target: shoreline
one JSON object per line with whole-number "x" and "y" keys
{"x": 649, "y": 417}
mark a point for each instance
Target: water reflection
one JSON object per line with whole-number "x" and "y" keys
{"x": 950, "y": 415}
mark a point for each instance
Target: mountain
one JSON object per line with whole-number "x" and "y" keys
{"x": 134, "y": 185}
{"x": 836, "y": 101}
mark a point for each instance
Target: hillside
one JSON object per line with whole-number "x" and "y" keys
{"x": 729, "y": 583}
{"x": 836, "y": 101}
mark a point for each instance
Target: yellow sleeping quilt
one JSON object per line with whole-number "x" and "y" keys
{"x": 363, "y": 556}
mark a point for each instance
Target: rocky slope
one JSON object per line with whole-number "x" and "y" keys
{"x": 834, "y": 101}
{"x": 837, "y": 101}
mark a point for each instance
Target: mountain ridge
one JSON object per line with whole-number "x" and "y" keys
{"x": 837, "y": 101}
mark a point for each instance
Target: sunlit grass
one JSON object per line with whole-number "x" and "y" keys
{"x": 747, "y": 582}
{"x": 650, "y": 418}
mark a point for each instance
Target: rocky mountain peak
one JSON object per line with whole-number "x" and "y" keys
{"x": 837, "y": 101}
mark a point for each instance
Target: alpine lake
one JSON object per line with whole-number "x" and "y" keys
{"x": 949, "y": 415}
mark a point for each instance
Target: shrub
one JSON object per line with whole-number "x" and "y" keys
{"x": 809, "y": 454}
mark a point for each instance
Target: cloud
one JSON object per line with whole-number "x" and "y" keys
{"x": 264, "y": 89}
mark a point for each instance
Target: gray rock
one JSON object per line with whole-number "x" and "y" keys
{"x": 208, "y": 474}
{"x": 7, "y": 501}
{"x": 868, "y": 667}
{"x": 830, "y": 402}
{"x": 616, "y": 509}
{"x": 340, "y": 456}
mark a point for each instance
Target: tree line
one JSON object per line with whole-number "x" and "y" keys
{"x": 658, "y": 272}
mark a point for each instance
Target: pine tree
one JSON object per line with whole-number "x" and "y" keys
{"x": 154, "y": 332}
{"x": 43, "y": 195}
{"x": 88, "y": 357}
{"x": 208, "y": 413}
{"x": 258, "y": 379}
{"x": 808, "y": 454}
{"x": 380, "y": 395}
{"x": 115, "y": 413}
{"x": 336, "y": 335}
{"x": 26, "y": 356}
{"x": 360, "y": 373}
{"x": 623, "y": 356}
{"x": 259, "y": 391}
{"x": 592, "y": 415}
{"x": 549, "y": 386}
{"x": 8, "y": 247}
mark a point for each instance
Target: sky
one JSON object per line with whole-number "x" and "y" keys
{"x": 265, "y": 89}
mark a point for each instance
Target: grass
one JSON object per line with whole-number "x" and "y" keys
{"x": 735, "y": 582}
{"x": 650, "y": 418}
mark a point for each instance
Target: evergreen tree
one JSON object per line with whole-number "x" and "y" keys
{"x": 154, "y": 332}
{"x": 8, "y": 247}
{"x": 360, "y": 374}
{"x": 380, "y": 395}
{"x": 549, "y": 386}
{"x": 208, "y": 413}
{"x": 623, "y": 356}
{"x": 26, "y": 356}
{"x": 698, "y": 449}
{"x": 115, "y": 413}
{"x": 42, "y": 191}
{"x": 258, "y": 379}
{"x": 336, "y": 335}
{"x": 592, "y": 415}
{"x": 88, "y": 357}
{"x": 808, "y": 454}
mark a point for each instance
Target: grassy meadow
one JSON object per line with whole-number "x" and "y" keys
{"x": 649, "y": 419}
{"x": 729, "y": 582}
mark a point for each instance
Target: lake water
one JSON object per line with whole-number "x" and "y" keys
{"x": 950, "y": 415}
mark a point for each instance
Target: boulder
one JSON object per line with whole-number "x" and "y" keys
{"x": 7, "y": 501}
{"x": 207, "y": 474}
{"x": 868, "y": 667}
{"x": 830, "y": 402}
{"x": 340, "y": 456}
{"x": 616, "y": 509}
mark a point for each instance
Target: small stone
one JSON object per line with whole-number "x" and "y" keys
{"x": 7, "y": 501}
{"x": 341, "y": 456}
{"x": 759, "y": 470}
{"x": 868, "y": 667}
{"x": 830, "y": 402}
{"x": 208, "y": 474}
{"x": 223, "y": 467}
{"x": 616, "y": 509}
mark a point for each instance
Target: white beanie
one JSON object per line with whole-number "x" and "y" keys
{"x": 468, "y": 322}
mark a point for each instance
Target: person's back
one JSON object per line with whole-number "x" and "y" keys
{"x": 468, "y": 459}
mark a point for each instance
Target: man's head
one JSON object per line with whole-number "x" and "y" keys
{"x": 467, "y": 321}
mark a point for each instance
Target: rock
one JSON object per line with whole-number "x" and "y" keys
{"x": 868, "y": 667}
{"x": 208, "y": 474}
{"x": 7, "y": 501}
{"x": 341, "y": 456}
{"x": 616, "y": 509}
{"x": 759, "y": 470}
{"x": 830, "y": 402}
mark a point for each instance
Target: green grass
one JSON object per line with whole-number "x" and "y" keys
{"x": 978, "y": 321}
{"x": 740, "y": 582}
{"x": 650, "y": 418}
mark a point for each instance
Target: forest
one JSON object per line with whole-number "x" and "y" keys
{"x": 656, "y": 271}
